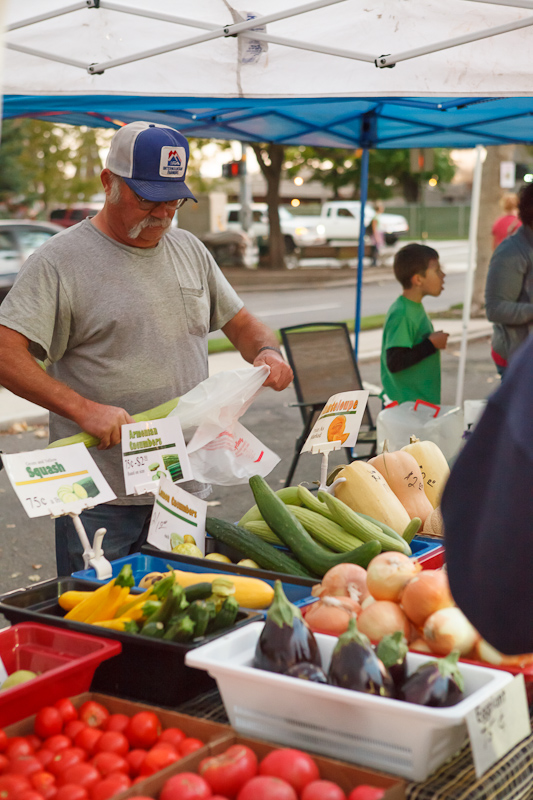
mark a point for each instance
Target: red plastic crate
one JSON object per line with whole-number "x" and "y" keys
{"x": 435, "y": 559}
{"x": 66, "y": 659}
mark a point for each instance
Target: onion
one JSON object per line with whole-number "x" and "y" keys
{"x": 425, "y": 593}
{"x": 381, "y": 618}
{"x": 331, "y": 614}
{"x": 421, "y": 646}
{"x": 368, "y": 601}
{"x": 388, "y": 574}
{"x": 448, "y": 629}
{"x": 344, "y": 580}
{"x": 486, "y": 652}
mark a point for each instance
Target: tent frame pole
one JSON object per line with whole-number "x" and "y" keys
{"x": 365, "y": 157}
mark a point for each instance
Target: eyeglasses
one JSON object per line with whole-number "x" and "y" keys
{"x": 149, "y": 205}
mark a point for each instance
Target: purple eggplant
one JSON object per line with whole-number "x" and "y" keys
{"x": 307, "y": 672}
{"x": 437, "y": 683}
{"x": 286, "y": 639}
{"x": 392, "y": 651}
{"x": 355, "y": 665}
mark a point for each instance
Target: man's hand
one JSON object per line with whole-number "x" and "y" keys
{"x": 105, "y": 423}
{"x": 280, "y": 372}
{"x": 439, "y": 339}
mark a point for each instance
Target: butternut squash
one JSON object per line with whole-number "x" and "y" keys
{"x": 434, "y": 526}
{"x": 366, "y": 491}
{"x": 404, "y": 477}
{"x": 433, "y": 465}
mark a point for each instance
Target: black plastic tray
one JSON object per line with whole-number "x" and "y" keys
{"x": 148, "y": 670}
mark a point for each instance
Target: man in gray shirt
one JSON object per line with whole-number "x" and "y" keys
{"x": 119, "y": 308}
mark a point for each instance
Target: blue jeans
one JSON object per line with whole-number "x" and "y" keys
{"x": 127, "y": 530}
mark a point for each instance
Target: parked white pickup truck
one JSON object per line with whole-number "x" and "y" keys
{"x": 340, "y": 219}
{"x": 298, "y": 231}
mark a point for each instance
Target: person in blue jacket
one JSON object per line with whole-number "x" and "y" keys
{"x": 487, "y": 507}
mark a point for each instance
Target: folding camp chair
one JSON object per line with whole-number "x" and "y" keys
{"x": 323, "y": 362}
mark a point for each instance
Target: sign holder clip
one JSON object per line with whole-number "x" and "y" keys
{"x": 93, "y": 555}
{"x": 325, "y": 448}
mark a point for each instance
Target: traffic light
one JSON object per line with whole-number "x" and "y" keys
{"x": 233, "y": 169}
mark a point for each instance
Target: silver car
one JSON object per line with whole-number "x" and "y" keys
{"x": 19, "y": 238}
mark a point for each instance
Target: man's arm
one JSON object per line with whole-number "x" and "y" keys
{"x": 20, "y": 374}
{"x": 249, "y": 335}
{"x": 505, "y": 280}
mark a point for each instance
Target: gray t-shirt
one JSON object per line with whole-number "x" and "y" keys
{"x": 123, "y": 326}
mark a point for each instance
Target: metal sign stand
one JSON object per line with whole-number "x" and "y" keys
{"x": 93, "y": 555}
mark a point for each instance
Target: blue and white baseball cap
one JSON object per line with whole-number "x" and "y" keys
{"x": 152, "y": 159}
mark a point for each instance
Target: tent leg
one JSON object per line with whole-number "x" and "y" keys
{"x": 361, "y": 246}
{"x": 472, "y": 257}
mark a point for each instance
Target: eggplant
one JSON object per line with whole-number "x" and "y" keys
{"x": 286, "y": 639}
{"x": 307, "y": 672}
{"x": 437, "y": 683}
{"x": 392, "y": 651}
{"x": 355, "y": 665}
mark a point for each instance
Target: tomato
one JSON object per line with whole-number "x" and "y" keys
{"x": 30, "y": 794}
{"x": 190, "y": 745}
{"x": 72, "y": 791}
{"x": 185, "y": 786}
{"x": 24, "y": 765}
{"x": 293, "y": 766}
{"x": 44, "y": 756}
{"x": 366, "y": 792}
{"x": 143, "y": 729}
{"x": 73, "y": 727}
{"x": 93, "y": 713}
{"x": 112, "y": 742}
{"x": 88, "y": 739}
{"x": 34, "y": 741}
{"x": 83, "y": 773}
{"x": 228, "y": 772}
{"x": 3, "y": 740}
{"x": 67, "y": 709}
{"x": 65, "y": 759}
{"x": 48, "y": 722}
{"x": 116, "y": 722}
{"x": 57, "y": 743}
{"x": 4, "y": 761}
{"x": 174, "y": 736}
{"x": 11, "y": 786}
{"x": 158, "y": 758}
{"x": 111, "y": 762}
{"x": 135, "y": 759}
{"x": 322, "y": 790}
{"x": 113, "y": 784}
{"x": 265, "y": 787}
{"x": 18, "y": 746}
{"x": 44, "y": 783}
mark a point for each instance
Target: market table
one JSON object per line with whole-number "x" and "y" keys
{"x": 511, "y": 778}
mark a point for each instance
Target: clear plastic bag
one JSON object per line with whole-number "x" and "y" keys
{"x": 442, "y": 425}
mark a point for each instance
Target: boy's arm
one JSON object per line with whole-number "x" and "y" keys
{"x": 400, "y": 358}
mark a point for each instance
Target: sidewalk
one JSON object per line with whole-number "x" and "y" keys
{"x": 14, "y": 409}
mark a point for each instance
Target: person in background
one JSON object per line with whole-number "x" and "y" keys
{"x": 410, "y": 350}
{"x": 487, "y": 508}
{"x": 509, "y": 222}
{"x": 509, "y": 286}
{"x": 119, "y": 307}
{"x": 377, "y": 235}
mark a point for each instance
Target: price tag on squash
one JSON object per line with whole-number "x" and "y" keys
{"x": 339, "y": 420}
{"x": 47, "y": 481}
{"x": 151, "y": 450}
{"x": 176, "y": 515}
{"x": 498, "y": 724}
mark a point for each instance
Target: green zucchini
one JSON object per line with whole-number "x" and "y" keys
{"x": 253, "y": 547}
{"x": 226, "y": 616}
{"x": 412, "y": 529}
{"x": 198, "y": 591}
{"x": 293, "y": 533}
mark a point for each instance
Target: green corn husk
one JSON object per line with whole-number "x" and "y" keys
{"x": 159, "y": 412}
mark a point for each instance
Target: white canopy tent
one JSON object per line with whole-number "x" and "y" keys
{"x": 330, "y": 73}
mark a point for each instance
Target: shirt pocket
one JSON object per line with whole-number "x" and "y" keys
{"x": 197, "y": 310}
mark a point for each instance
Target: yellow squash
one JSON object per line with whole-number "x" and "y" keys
{"x": 249, "y": 592}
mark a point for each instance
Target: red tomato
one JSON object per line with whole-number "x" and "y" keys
{"x": 218, "y": 797}
{"x": 113, "y": 784}
{"x": 322, "y": 790}
{"x": 4, "y": 761}
{"x": 30, "y": 794}
{"x": 143, "y": 729}
{"x": 44, "y": 756}
{"x": 185, "y": 786}
{"x": 264, "y": 787}
{"x": 24, "y": 765}
{"x": 18, "y": 746}
{"x": 83, "y": 773}
{"x": 66, "y": 759}
{"x": 11, "y": 786}
{"x": 57, "y": 743}
{"x": 190, "y": 745}
{"x": 93, "y": 713}
{"x": 293, "y": 766}
{"x": 366, "y": 792}
{"x": 44, "y": 783}
{"x": 111, "y": 762}
{"x": 112, "y": 742}
{"x": 67, "y": 709}
{"x": 34, "y": 741}
{"x": 173, "y": 736}
{"x": 144, "y": 797}
{"x": 116, "y": 722}
{"x": 73, "y": 727}
{"x": 135, "y": 759}
{"x": 158, "y": 758}
{"x": 3, "y": 740}
{"x": 88, "y": 739}
{"x": 48, "y": 722}
{"x": 72, "y": 791}
{"x": 228, "y": 772}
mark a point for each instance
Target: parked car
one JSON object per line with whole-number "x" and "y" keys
{"x": 340, "y": 220}
{"x": 71, "y": 216}
{"x": 18, "y": 240}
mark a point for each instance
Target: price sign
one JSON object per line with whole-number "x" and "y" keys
{"x": 497, "y": 724}
{"x": 176, "y": 514}
{"x": 151, "y": 450}
{"x": 339, "y": 420}
{"x": 48, "y": 480}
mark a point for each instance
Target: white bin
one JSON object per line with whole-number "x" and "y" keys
{"x": 443, "y": 425}
{"x": 390, "y": 735}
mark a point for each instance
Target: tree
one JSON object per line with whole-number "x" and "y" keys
{"x": 270, "y": 158}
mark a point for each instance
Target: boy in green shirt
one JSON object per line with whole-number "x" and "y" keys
{"x": 410, "y": 357}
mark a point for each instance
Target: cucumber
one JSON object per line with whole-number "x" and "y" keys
{"x": 252, "y": 546}
{"x": 198, "y": 591}
{"x": 294, "y": 535}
